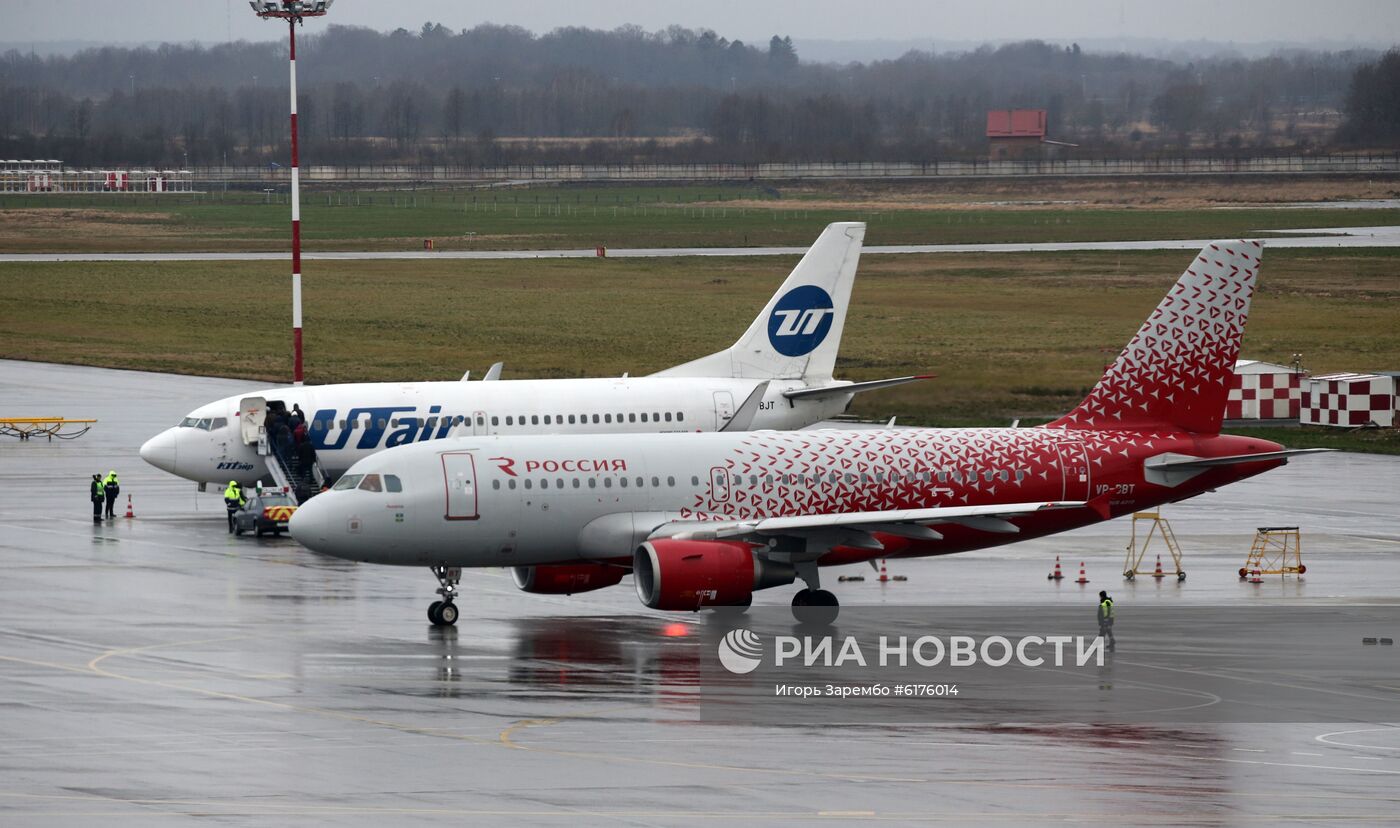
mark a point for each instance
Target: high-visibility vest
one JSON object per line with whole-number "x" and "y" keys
{"x": 1106, "y": 609}
{"x": 233, "y": 496}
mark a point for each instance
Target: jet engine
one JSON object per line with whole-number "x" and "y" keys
{"x": 566, "y": 579}
{"x": 690, "y": 574}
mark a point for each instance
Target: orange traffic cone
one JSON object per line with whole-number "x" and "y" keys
{"x": 1055, "y": 574}
{"x": 129, "y": 513}
{"x": 1159, "y": 573}
{"x": 884, "y": 576}
{"x": 1083, "y": 578}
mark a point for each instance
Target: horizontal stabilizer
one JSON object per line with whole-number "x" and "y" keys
{"x": 1175, "y": 469}
{"x": 743, "y": 418}
{"x": 851, "y": 387}
{"x": 1181, "y": 462}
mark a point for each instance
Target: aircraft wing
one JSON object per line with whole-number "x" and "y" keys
{"x": 852, "y": 387}
{"x": 904, "y": 522}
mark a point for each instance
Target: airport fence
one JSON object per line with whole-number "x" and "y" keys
{"x": 430, "y": 175}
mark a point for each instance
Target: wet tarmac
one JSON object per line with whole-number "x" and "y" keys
{"x": 1325, "y": 238}
{"x": 158, "y": 667}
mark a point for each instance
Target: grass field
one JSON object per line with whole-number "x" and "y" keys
{"x": 584, "y": 217}
{"x": 1008, "y": 335}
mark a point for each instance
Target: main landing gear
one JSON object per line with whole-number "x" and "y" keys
{"x": 814, "y": 605}
{"x": 444, "y": 613}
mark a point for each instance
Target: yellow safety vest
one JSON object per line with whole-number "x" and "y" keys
{"x": 234, "y": 494}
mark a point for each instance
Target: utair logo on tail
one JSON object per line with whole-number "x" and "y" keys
{"x": 800, "y": 320}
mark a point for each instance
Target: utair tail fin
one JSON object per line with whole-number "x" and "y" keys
{"x": 1175, "y": 373}
{"x": 799, "y": 331}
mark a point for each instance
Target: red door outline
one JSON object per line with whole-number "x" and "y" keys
{"x": 719, "y": 485}
{"x": 459, "y": 469}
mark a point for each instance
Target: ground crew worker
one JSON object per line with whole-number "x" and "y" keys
{"x": 233, "y": 501}
{"x": 1106, "y": 619}
{"x": 97, "y": 496}
{"x": 110, "y": 489}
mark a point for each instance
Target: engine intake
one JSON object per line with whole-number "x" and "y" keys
{"x": 566, "y": 579}
{"x": 690, "y": 574}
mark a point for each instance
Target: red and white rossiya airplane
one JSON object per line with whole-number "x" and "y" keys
{"x": 704, "y": 520}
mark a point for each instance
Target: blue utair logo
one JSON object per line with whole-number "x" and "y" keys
{"x": 800, "y": 320}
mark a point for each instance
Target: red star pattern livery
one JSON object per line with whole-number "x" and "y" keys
{"x": 704, "y": 520}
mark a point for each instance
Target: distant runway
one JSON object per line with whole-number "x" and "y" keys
{"x": 1335, "y": 237}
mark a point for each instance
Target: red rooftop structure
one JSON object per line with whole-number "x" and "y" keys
{"x": 1016, "y": 133}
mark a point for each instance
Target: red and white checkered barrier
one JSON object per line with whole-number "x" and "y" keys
{"x": 1263, "y": 391}
{"x": 1349, "y": 400}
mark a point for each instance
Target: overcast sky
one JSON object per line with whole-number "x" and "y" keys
{"x": 1244, "y": 21}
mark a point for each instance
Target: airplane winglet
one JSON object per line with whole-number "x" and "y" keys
{"x": 743, "y": 418}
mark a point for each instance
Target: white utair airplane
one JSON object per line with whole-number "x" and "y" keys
{"x": 707, "y": 519}
{"x": 777, "y": 376}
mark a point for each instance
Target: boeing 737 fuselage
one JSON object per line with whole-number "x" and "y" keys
{"x": 778, "y": 375}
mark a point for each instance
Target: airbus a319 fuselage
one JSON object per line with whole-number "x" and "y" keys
{"x": 706, "y": 519}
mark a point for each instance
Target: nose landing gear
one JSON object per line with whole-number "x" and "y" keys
{"x": 444, "y": 613}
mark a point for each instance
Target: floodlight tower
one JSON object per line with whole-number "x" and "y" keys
{"x": 293, "y": 11}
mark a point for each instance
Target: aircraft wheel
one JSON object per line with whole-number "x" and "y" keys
{"x": 815, "y": 606}
{"x": 1180, "y": 576}
{"x": 433, "y": 612}
{"x": 447, "y": 614}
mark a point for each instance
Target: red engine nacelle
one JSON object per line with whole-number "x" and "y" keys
{"x": 566, "y": 579}
{"x": 689, "y": 574}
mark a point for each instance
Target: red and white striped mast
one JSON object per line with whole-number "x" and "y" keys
{"x": 293, "y": 11}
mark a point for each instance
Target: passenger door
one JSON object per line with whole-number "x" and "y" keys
{"x": 251, "y": 411}
{"x": 724, "y": 408}
{"x": 459, "y": 480}
{"x": 479, "y": 423}
{"x": 1074, "y": 465}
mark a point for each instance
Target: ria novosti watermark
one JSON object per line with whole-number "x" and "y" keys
{"x": 741, "y": 651}
{"x": 1177, "y": 663}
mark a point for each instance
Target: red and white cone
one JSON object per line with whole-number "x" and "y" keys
{"x": 884, "y": 576}
{"x": 1255, "y": 577}
{"x": 1159, "y": 573}
{"x": 1083, "y": 577}
{"x": 129, "y": 513}
{"x": 1055, "y": 574}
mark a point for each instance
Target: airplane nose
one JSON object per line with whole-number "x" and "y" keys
{"x": 310, "y": 524}
{"x": 159, "y": 451}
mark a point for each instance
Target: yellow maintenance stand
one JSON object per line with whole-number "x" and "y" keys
{"x": 1277, "y": 550}
{"x": 28, "y": 427}
{"x": 1155, "y": 526}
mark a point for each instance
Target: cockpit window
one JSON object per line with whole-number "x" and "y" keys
{"x": 392, "y": 484}
{"x": 204, "y": 423}
{"x": 349, "y": 481}
{"x": 371, "y": 483}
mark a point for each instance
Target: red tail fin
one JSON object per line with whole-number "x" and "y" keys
{"x": 1175, "y": 373}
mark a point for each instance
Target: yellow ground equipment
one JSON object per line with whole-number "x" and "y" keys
{"x": 1277, "y": 550}
{"x": 51, "y": 427}
{"x": 1154, "y": 526}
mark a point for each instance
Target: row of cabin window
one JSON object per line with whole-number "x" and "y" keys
{"x": 942, "y": 476}
{"x": 557, "y": 419}
{"x": 622, "y": 482}
{"x": 791, "y": 479}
